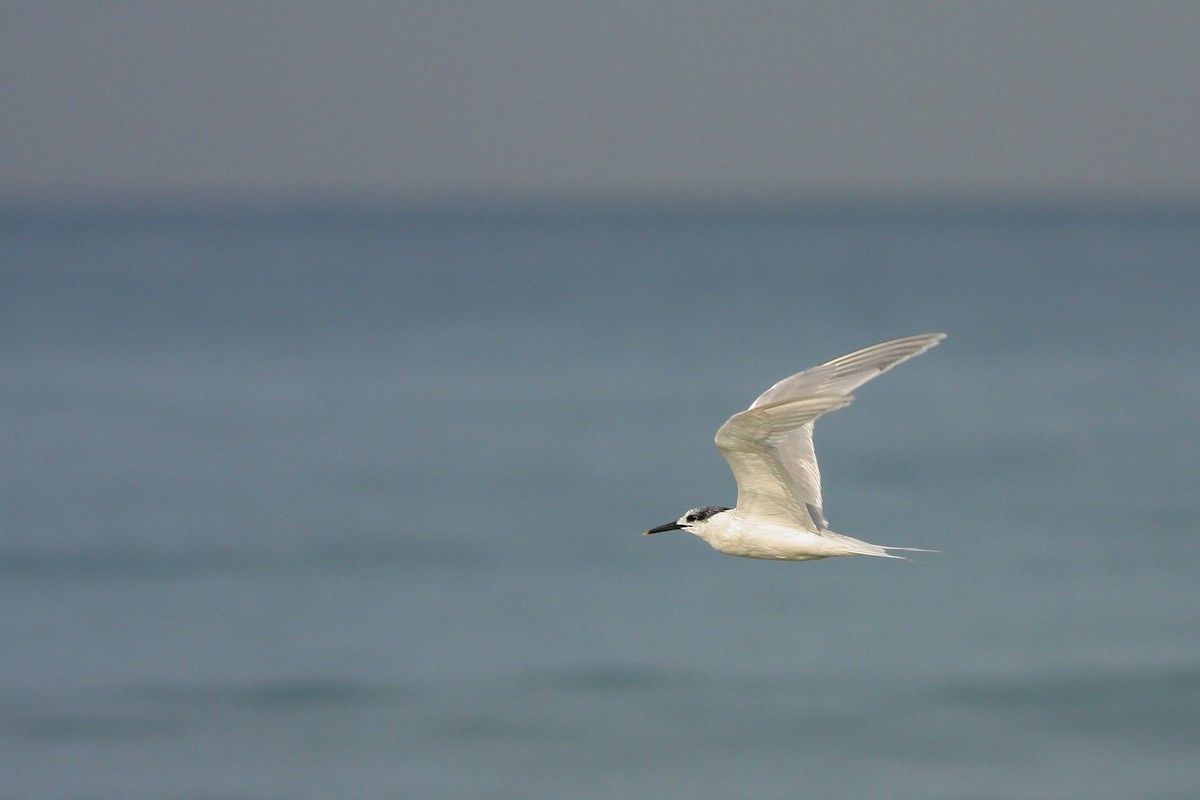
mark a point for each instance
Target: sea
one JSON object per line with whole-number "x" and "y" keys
{"x": 346, "y": 501}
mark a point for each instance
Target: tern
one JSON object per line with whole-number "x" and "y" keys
{"x": 769, "y": 447}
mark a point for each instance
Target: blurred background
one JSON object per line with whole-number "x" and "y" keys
{"x": 347, "y": 350}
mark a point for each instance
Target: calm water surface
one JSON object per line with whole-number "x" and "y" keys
{"x": 309, "y": 506}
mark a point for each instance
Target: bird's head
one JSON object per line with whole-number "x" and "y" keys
{"x": 695, "y": 520}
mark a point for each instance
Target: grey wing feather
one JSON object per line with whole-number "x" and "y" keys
{"x": 795, "y": 454}
{"x": 750, "y": 443}
{"x": 846, "y": 373}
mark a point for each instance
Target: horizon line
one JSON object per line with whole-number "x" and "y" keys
{"x": 548, "y": 205}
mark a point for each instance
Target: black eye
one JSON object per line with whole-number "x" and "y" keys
{"x": 690, "y": 518}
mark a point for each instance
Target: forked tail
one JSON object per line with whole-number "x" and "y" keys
{"x": 857, "y": 547}
{"x": 907, "y": 550}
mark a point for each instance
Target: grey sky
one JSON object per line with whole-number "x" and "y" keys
{"x": 443, "y": 98}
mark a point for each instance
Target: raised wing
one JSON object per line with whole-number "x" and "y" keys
{"x": 793, "y": 461}
{"x": 750, "y": 443}
{"x": 846, "y": 373}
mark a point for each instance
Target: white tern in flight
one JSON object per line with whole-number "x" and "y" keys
{"x": 769, "y": 447}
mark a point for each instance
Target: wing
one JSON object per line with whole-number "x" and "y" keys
{"x": 793, "y": 452}
{"x": 846, "y": 373}
{"x": 750, "y": 443}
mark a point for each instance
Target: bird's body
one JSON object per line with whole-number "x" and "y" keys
{"x": 732, "y": 533}
{"x": 769, "y": 448}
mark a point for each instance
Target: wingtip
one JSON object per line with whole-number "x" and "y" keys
{"x": 933, "y": 339}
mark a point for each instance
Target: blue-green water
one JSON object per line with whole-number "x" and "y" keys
{"x": 319, "y": 505}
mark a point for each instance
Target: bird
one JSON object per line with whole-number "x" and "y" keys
{"x": 769, "y": 447}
